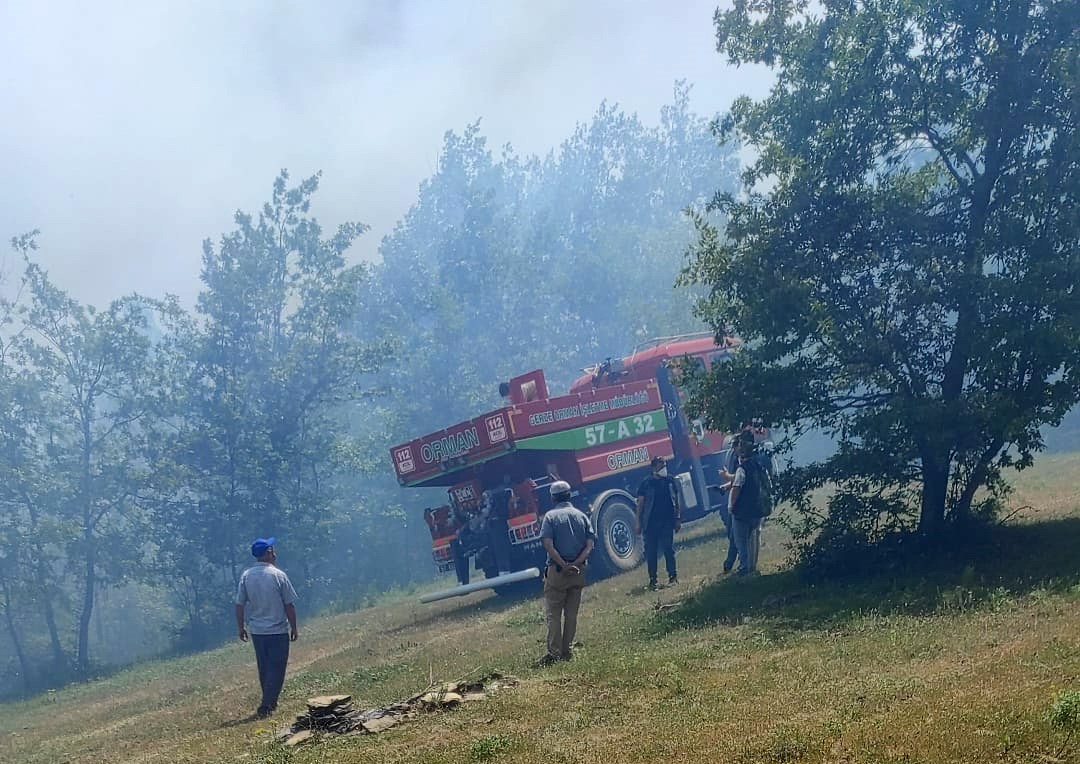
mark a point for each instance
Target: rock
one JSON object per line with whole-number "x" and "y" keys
{"x": 299, "y": 737}
{"x": 328, "y": 701}
{"x": 334, "y": 714}
{"x": 381, "y": 724}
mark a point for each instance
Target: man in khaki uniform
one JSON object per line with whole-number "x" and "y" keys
{"x": 568, "y": 536}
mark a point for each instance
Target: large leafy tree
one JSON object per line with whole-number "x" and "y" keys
{"x": 555, "y": 262}
{"x": 77, "y": 460}
{"x": 903, "y": 260}
{"x": 32, "y": 532}
{"x": 266, "y": 371}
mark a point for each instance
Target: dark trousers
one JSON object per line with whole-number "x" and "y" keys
{"x": 499, "y": 539}
{"x": 461, "y": 562}
{"x": 732, "y": 547}
{"x": 657, "y": 540}
{"x": 271, "y": 656}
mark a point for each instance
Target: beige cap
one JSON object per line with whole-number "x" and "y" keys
{"x": 560, "y": 486}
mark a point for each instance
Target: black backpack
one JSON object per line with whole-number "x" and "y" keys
{"x": 758, "y": 488}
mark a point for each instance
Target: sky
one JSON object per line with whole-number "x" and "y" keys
{"x": 132, "y": 131}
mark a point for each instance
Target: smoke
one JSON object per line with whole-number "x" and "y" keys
{"x": 131, "y": 131}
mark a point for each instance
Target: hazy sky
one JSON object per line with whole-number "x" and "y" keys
{"x": 131, "y": 131}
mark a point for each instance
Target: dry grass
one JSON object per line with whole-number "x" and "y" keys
{"x": 960, "y": 664}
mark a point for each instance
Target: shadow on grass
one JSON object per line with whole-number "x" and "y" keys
{"x": 1003, "y": 563}
{"x": 529, "y": 590}
{"x": 239, "y": 722}
{"x": 709, "y": 537}
{"x": 493, "y": 604}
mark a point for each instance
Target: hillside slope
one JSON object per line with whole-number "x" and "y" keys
{"x": 959, "y": 668}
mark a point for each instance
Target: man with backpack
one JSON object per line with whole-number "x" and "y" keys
{"x": 749, "y": 502}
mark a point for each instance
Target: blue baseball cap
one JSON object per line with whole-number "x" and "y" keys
{"x": 259, "y": 546}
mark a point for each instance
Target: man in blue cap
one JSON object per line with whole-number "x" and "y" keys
{"x": 268, "y": 595}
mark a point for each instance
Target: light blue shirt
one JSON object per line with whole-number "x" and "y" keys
{"x": 265, "y": 591}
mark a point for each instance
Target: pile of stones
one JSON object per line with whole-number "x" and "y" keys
{"x": 335, "y": 715}
{"x": 329, "y": 713}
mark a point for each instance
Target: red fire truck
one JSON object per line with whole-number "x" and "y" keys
{"x": 600, "y": 437}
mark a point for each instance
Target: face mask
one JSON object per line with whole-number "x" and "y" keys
{"x": 662, "y": 472}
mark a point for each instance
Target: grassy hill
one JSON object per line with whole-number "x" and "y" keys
{"x": 956, "y": 664}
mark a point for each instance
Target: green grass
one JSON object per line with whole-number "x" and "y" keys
{"x": 974, "y": 659}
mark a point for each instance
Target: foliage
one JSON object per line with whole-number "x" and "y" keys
{"x": 490, "y": 747}
{"x": 1064, "y": 715}
{"x": 80, "y": 472}
{"x": 553, "y": 262}
{"x": 902, "y": 262}
{"x": 1065, "y": 710}
{"x": 266, "y": 370}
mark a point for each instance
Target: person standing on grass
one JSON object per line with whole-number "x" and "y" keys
{"x": 568, "y": 537}
{"x": 743, "y": 506}
{"x": 727, "y": 472}
{"x": 268, "y": 596}
{"x": 659, "y": 519}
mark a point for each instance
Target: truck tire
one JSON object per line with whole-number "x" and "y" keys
{"x": 618, "y": 548}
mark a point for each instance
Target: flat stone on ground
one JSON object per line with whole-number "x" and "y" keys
{"x": 299, "y": 738}
{"x": 381, "y": 724}
{"x": 328, "y": 701}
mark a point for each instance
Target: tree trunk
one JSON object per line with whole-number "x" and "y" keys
{"x": 59, "y": 658}
{"x": 24, "y": 666}
{"x": 82, "y": 658}
{"x": 198, "y": 626}
{"x": 934, "y": 491}
{"x": 45, "y": 589}
{"x": 82, "y": 641}
{"x": 977, "y": 478}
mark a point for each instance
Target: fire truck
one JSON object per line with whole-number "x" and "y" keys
{"x": 600, "y": 437}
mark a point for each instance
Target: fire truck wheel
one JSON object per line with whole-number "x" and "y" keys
{"x": 618, "y": 548}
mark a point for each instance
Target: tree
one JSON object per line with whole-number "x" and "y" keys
{"x": 555, "y": 262}
{"x": 33, "y": 534}
{"x": 90, "y": 370}
{"x": 903, "y": 260}
{"x": 265, "y": 371}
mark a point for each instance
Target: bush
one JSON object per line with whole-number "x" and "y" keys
{"x": 490, "y": 747}
{"x": 861, "y": 534}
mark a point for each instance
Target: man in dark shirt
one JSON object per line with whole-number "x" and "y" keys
{"x": 658, "y": 519}
{"x": 744, "y": 509}
{"x": 727, "y": 472}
